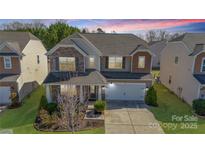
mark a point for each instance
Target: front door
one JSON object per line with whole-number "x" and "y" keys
{"x": 93, "y": 93}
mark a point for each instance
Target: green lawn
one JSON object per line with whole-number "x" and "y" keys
{"x": 21, "y": 120}
{"x": 170, "y": 105}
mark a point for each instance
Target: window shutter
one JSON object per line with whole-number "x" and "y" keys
{"x": 57, "y": 67}
{"x": 106, "y": 62}
{"x": 123, "y": 62}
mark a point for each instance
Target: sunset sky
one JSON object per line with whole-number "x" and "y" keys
{"x": 130, "y": 25}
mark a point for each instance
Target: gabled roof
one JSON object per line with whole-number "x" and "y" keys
{"x": 79, "y": 78}
{"x": 200, "y": 78}
{"x": 105, "y": 43}
{"x": 158, "y": 46}
{"x": 17, "y": 40}
{"x": 115, "y": 44}
{"x": 193, "y": 41}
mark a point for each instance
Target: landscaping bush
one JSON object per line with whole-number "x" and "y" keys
{"x": 199, "y": 107}
{"x": 43, "y": 102}
{"x": 99, "y": 106}
{"x": 151, "y": 97}
{"x": 51, "y": 107}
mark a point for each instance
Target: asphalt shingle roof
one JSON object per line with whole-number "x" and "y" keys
{"x": 115, "y": 44}
{"x": 106, "y": 43}
{"x": 17, "y": 40}
{"x": 200, "y": 78}
{"x": 125, "y": 75}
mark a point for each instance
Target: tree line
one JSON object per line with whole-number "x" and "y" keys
{"x": 49, "y": 35}
{"x": 54, "y": 33}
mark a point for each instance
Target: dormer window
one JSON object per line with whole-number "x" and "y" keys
{"x": 203, "y": 65}
{"x": 7, "y": 63}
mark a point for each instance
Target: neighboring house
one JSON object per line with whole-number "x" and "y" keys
{"x": 183, "y": 66}
{"x": 100, "y": 66}
{"x": 156, "y": 48}
{"x": 23, "y": 64}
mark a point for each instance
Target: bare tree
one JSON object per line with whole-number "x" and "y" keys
{"x": 163, "y": 35}
{"x": 71, "y": 110}
{"x": 151, "y": 36}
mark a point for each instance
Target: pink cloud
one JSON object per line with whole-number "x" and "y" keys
{"x": 134, "y": 25}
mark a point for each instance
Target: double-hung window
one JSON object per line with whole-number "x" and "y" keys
{"x": 115, "y": 62}
{"x": 7, "y": 63}
{"x": 203, "y": 65}
{"x": 91, "y": 62}
{"x": 141, "y": 62}
{"x": 67, "y": 64}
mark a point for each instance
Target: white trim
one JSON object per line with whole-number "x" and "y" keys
{"x": 61, "y": 45}
{"x": 48, "y": 94}
{"x": 5, "y": 67}
{"x": 151, "y": 64}
{"x": 141, "y": 50}
{"x": 203, "y": 59}
{"x": 99, "y": 52}
{"x": 5, "y": 44}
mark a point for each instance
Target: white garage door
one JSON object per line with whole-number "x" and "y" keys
{"x": 4, "y": 95}
{"x": 125, "y": 91}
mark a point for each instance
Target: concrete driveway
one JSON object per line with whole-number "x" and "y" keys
{"x": 129, "y": 117}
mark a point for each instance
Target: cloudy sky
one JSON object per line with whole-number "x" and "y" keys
{"x": 130, "y": 25}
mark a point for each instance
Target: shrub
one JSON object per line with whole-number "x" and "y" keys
{"x": 43, "y": 102}
{"x": 51, "y": 107}
{"x": 199, "y": 106}
{"x": 99, "y": 106}
{"x": 151, "y": 97}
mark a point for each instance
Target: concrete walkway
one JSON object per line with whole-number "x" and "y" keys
{"x": 130, "y": 118}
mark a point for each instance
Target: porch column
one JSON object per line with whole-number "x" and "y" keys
{"x": 99, "y": 93}
{"x": 81, "y": 94}
{"x": 48, "y": 93}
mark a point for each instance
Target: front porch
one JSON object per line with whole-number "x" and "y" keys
{"x": 88, "y": 92}
{"x": 89, "y": 87}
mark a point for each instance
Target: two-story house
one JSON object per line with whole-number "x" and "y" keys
{"x": 101, "y": 65}
{"x": 183, "y": 66}
{"x": 23, "y": 64}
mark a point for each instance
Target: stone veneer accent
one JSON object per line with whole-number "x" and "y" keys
{"x": 66, "y": 52}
